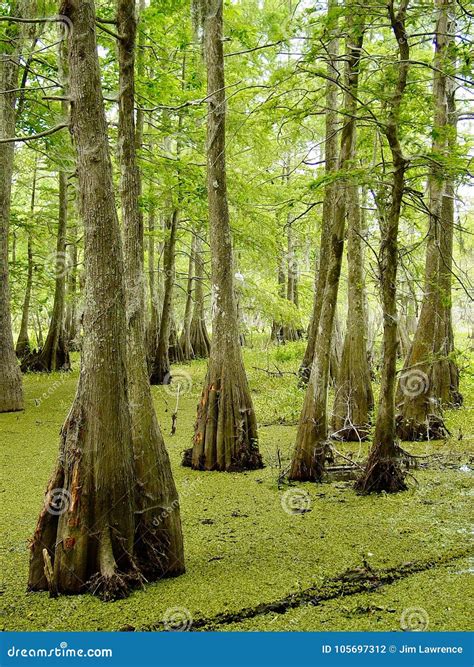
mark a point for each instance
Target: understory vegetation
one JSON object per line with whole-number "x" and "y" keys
{"x": 243, "y": 549}
{"x": 236, "y": 325}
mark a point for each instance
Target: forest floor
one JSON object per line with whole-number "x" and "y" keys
{"x": 344, "y": 563}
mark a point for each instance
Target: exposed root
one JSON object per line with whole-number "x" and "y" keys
{"x": 160, "y": 374}
{"x": 45, "y": 362}
{"x": 112, "y": 587}
{"x": 247, "y": 458}
{"x": 313, "y": 470}
{"x": 456, "y": 399}
{"x": 225, "y": 436}
{"x": 382, "y": 475}
{"x": 151, "y": 551}
{"x": 187, "y": 460}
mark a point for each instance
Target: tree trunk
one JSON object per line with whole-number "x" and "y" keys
{"x": 226, "y": 428}
{"x": 278, "y": 334}
{"x": 176, "y": 354}
{"x": 311, "y": 447}
{"x": 159, "y": 539}
{"x": 161, "y": 368}
{"x": 153, "y": 324}
{"x": 425, "y": 382}
{"x": 354, "y": 398}
{"x": 447, "y": 382}
{"x": 383, "y": 471}
{"x": 198, "y": 333}
{"x": 11, "y": 390}
{"x": 55, "y": 354}
{"x": 185, "y": 340}
{"x": 290, "y": 332}
{"x": 39, "y": 329}
{"x": 23, "y": 342}
{"x": 72, "y": 327}
{"x": 331, "y": 160}
{"x": 92, "y": 525}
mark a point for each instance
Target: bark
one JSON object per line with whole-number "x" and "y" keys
{"x": 72, "y": 324}
{"x": 154, "y": 322}
{"x": 337, "y": 343}
{"x": 11, "y": 390}
{"x": 176, "y": 354}
{"x": 161, "y": 367}
{"x": 198, "y": 333}
{"x": 97, "y": 542}
{"x": 278, "y": 334}
{"x": 311, "y": 448}
{"x": 55, "y": 354}
{"x": 354, "y": 398}
{"x": 23, "y": 342}
{"x": 39, "y": 329}
{"x": 226, "y": 428}
{"x": 383, "y": 471}
{"x": 331, "y": 161}
{"x": 185, "y": 340}
{"x": 159, "y": 542}
{"x": 290, "y": 332}
{"x": 425, "y": 383}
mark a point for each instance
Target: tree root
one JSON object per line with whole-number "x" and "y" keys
{"x": 112, "y": 587}
{"x": 187, "y": 460}
{"x": 382, "y": 474}
{"x": 313, "y": 470}
{"x": 151, "y": 551}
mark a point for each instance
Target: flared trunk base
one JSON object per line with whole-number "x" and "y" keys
{"x": 225, "y": 436}
{"x": 411, "y": 430}
{"x": 48, "y": 360}
{"x": 381, "y": 474}
{"x": 311, "y": 468}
